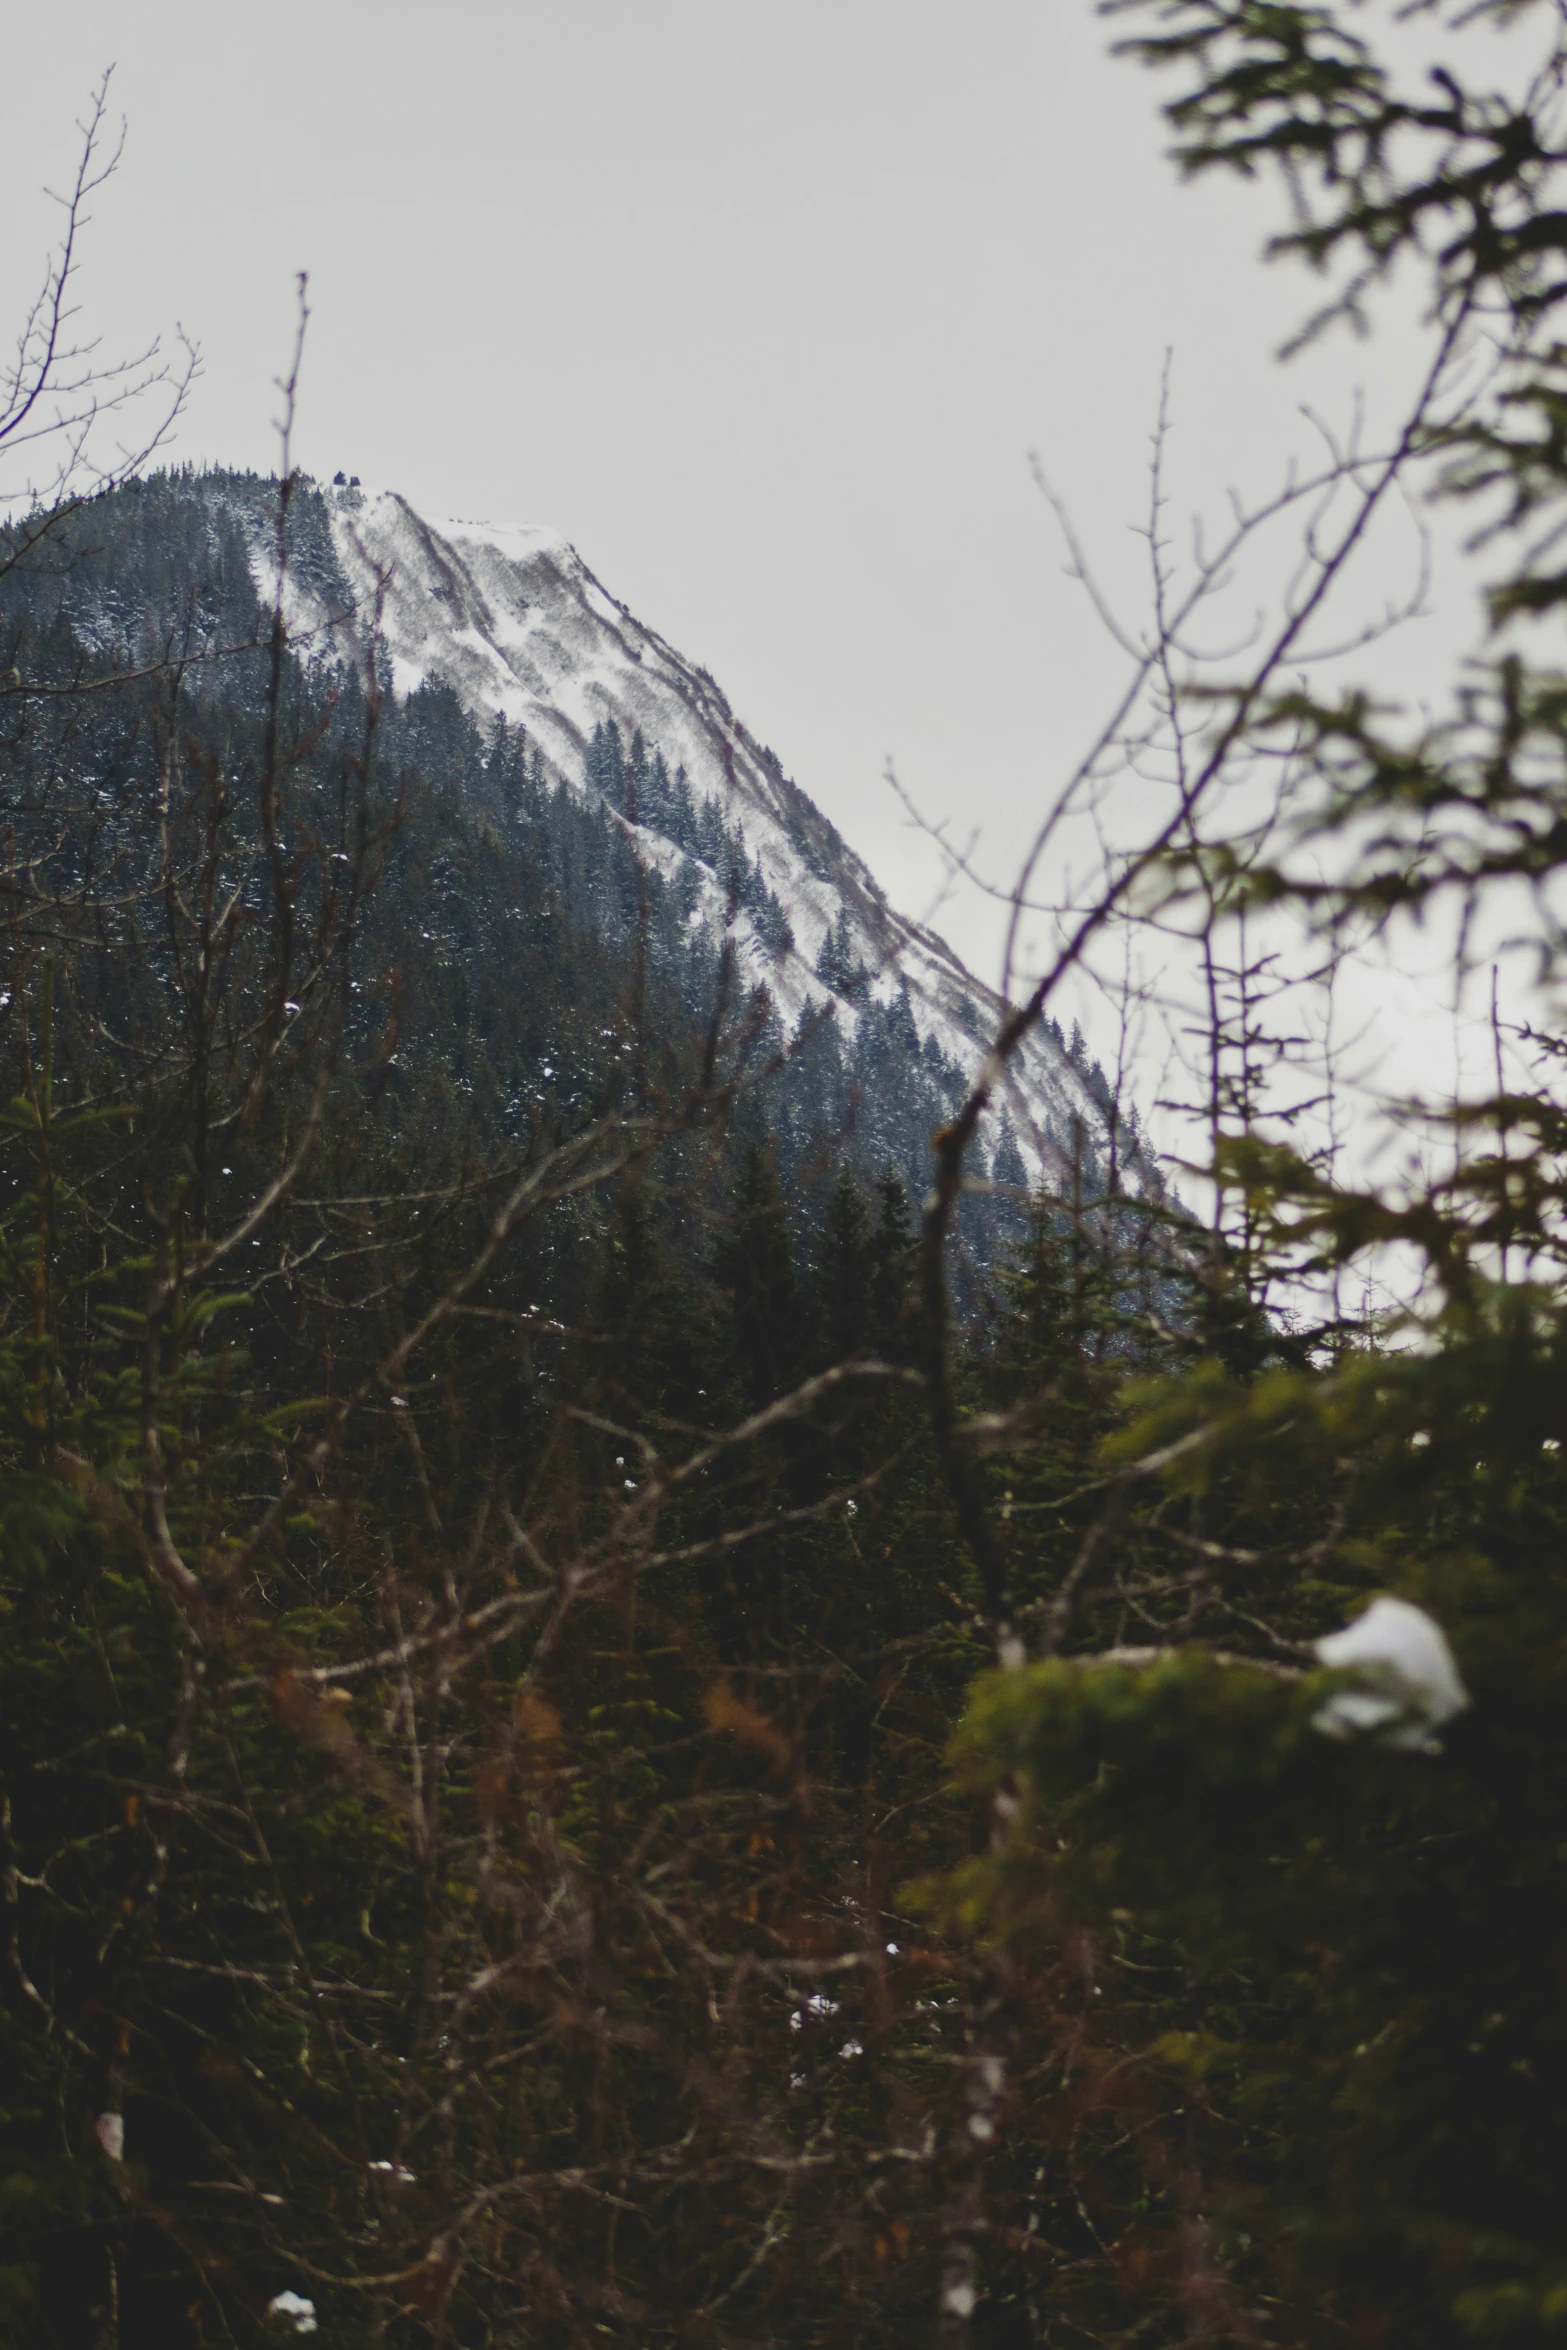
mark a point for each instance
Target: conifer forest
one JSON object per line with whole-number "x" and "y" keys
{"x": 682, "y": 1660}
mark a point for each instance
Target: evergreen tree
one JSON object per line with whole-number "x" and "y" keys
{"x": 754, "y": 1264}
{"x": 838, "y": 965}
{"x": 1289, "y": 1890}
{"x": 845, "y": 1272}
{"x": 892, "y": 1269}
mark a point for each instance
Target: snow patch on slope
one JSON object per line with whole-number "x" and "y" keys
{"x": 510, "y": 619}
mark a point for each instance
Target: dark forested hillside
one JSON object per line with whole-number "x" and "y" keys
{"x": 482, "y": 1619}
{"x": 526, "y": 919}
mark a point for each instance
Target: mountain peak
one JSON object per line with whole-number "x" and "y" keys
{"x": 584, "y": 737}
{"x": 512, "y": 620}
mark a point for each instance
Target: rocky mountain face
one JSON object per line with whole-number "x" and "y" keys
{"x": 512, "y": 620}
{"x": 559, "y": 708}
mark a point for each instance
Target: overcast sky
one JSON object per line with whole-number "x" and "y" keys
{"x": 764, "y": 305}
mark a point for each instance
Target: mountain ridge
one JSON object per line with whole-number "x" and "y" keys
{"x": 514, "y": 621}
{"x": 587, "y": 767}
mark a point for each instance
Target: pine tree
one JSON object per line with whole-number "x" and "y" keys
{"x": 754, "y": 1265}
{"x": 845, "y": 1272}
{"x": 892, "y": 1270}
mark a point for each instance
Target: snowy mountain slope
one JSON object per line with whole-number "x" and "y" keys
{"x": 511, "y": 619}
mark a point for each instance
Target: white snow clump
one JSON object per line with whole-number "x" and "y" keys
{"x": 1411, "y": 1682}
{"x": 300, "y": 2311}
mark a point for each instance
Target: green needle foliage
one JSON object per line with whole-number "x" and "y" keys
{"x": 1319, "y": 2073}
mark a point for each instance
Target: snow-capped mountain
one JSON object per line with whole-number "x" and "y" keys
{"x": 512, "y": 620}
{"x": 614, "y": 784}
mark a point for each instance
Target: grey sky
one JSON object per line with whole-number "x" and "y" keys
{"x": 763, "y": 304}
